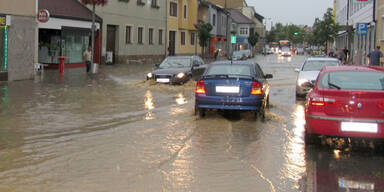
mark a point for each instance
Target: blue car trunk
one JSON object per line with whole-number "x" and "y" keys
{"x": 234, "y": 87}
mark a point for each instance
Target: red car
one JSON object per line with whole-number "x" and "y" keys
{"x": 346, "y": 101}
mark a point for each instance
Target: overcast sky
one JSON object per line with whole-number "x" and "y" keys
{"x": 291, "y": 11}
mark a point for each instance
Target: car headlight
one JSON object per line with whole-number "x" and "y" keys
{"x": 180, "y": 75}
{"x": 301, "y": 81}
{"x": 149, "y": 75}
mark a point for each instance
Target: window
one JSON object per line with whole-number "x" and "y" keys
{"x": 154, "y": 3}
{"x": 150, "y": 36}
{"x": 160, "y": 36}
{"x": 192, "y": 38}
{"x": 214, "y": 19}
{"x": 140, "y": 35}
{"x": 173, "y": 9}
{"x": 124, "y": 1}
{"x": 185, "y": 11}
{"x": 182, "y": 38}
{"x": 141, "y": 2}
{"x": 243, "y": 31}
{"x": 128, "y": 30}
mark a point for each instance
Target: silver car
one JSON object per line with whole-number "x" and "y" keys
{"x": 309, "y": 71}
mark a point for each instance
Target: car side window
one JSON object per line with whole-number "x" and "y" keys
{"x": 200, "y": 61}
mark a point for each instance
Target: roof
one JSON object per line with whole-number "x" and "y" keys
{"x": 259, "y": 17}
{"x": 239, "y": 18}
{"x": 70, "y": 9}
{"x": 228, "y": 62}
{"x": 353, "y": 68}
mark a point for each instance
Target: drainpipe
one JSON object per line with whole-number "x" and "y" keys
{"x": 166, "y": 29}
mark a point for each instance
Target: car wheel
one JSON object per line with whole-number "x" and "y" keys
{"x": 311, "y": 139}
{"x": 200, "y": 112}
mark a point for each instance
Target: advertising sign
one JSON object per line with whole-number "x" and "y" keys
{"x": 233, "y": 39}
{"x": 3, "y": 20}
{"x": 362, "y": 28}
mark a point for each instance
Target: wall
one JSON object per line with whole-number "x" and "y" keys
{"x": 22, "y": 38}
{"x": 123, "y": 14}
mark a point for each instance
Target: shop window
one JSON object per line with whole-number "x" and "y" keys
{"x": 49, "y": 46}
{"x": 74, "y": 46}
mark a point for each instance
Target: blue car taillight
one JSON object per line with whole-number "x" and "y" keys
{"x": 200, "y": 87}
{"x": 256, "y": 88}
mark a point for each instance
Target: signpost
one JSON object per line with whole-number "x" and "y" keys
{"x": 362, "y": 28}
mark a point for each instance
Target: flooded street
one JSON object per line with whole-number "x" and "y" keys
{"x": 116, "y": 132}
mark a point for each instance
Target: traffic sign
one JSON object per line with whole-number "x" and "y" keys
{"x": 362, "y": 28}
{"x": 233, "y": 39}
{"x": 43, "y": 15}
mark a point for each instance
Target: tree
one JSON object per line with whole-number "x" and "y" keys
{"x": 204, "y": 35}
{"x": 325, "y": 30}
{"x": 93, "y": 3}
{"x": 253, "y": 39}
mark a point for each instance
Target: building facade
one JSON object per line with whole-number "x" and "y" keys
{"x": 182, "y": 34}
{"x": 134, "y": 31}
{"x": 218, "y": 18}
{"x": 67, "y": 33}
{"x": 241, "y": 27}
{"x": 352, "y": 15}
{"x": 380, "y": 25}
{"x": 18, "y": 39}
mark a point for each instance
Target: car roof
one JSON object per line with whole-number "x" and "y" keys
{"x": 322, "y": 59}
{"x": 229, "y": 62}
{"x": 181, "y": 57}
{"x": 353, "y": 68}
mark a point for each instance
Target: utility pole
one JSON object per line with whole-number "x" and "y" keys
{"x": 229, "y": 51}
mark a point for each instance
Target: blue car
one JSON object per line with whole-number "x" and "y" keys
{"x": 233, "y": 85}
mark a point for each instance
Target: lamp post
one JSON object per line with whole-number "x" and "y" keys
{"x": 265, "y": 34}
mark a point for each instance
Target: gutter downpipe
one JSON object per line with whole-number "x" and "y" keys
{"x": 166, "y": 29}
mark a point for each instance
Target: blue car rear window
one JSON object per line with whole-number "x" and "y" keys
{"x": 353, "y": 80}
{"x": 242, "y": 70}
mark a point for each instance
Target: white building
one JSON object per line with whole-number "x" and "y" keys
{"x": 349, "y": 14}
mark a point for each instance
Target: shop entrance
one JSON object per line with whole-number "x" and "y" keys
{"x": 111, "y": 41}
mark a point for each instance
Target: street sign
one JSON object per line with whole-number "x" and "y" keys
{"x": 43, "y": 15}
{"x": 362, "y": 28}
{"x": 3, "y": 20}
{"x": 233, "y": 39}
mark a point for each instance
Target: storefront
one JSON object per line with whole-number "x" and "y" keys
{"x": 216, "y": 43}
{"x": 67, "y": 32}
{"x": 3, "y": 48}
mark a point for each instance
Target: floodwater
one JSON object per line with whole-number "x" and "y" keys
{"x": 114, "y": 131}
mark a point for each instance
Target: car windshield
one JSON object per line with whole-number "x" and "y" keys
{"x": 229, "y": 70}
{"x": 318, "y": 65}
{"x": 285, "y": 49}
{"x": 237, "y": 53}
{"x": 353, "y": 80}
{"x": 175, "y": 63}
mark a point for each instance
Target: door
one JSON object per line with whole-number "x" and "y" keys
{"x": 172, "y": 43}
{"x": 111, "y": 41}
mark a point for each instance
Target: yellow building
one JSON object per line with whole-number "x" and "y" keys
{"x": 182, "y": 34}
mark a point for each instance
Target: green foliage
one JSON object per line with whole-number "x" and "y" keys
{"x": 204, "y": 33}
{"x": 291, "y": 32}
{"x": 253, "y": 39}
{"x": 325, "y": 30}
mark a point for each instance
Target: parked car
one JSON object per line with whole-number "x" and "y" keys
{"x": 236, "y": 85}
{"x": 346, "y": 101}
{"x": 238, "y": 55}
{"x": 309, "y": 72}
{"x": 177, "y": 69}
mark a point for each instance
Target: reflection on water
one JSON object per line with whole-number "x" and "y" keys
{"x": 149, "y": 105}
{"x": 4, "y": 94}
{"x": 180, "y": 99}
{"x": 295, "y": 162}
{"x": 335, "y": 170}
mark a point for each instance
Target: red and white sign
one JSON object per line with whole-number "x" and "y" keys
{"x": 43, "y": 15}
